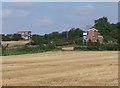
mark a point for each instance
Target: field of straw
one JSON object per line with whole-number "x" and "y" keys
{"x": 12, "y": 43}
{"x": 61, "y": 68}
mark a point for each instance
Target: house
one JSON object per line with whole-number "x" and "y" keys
{"x": 93, "y": 35}
{"x": 25, "y": 34}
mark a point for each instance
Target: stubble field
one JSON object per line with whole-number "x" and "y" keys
{"x": 61, "y": 68}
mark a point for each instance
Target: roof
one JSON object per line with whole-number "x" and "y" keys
{"x": 93, "y": 29}
{"x": 23, "y": 31}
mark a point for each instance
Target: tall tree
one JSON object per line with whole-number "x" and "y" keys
{"x": 5, "y": 37}
{"x": 15, "y": 37}
{"x": 37, "y": 39}
{"x": 108, "y": 30}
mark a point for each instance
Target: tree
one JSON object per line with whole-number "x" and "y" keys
{"x": 37, "y": 39}
{"x": 108, "y": 30}
{"x": 5, "y": 38}
{"x": 55, "y": 35}
{"x": 79, "y": 41}
{"x": 118, "y": 26}
{"x": 16, "y": 37}
{"x": 63, "y": 34}
{"x": 75, "y": 33}
{"x": 103, "y": 25}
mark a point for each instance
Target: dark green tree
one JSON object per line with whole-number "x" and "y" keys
{"x": 37, "y": 39}
{"x": 75, "y": 33}
{"x": 55, "y": 35}
{"x": 103, "y": 25}
{"x": 16, "y": 37}
{"x": 107, "y": 29}
{"x": 5, "y": 37}
{"x": 63, "y": 34}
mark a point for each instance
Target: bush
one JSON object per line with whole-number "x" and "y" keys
{"x": 37, "y": 39}
{"x": 79, "y": 41}
{"x": 112, "y": 47}
{"x": 101, "y": 47}
{"x": 16, "y": 37}
{"x": 80, "y": 48}
{"x": 16, "y": 50}
{"x": 50, "y": 46}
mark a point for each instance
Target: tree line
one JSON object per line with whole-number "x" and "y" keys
{"x": 74, "y": 36}
{"x": 11, "y": 37}
{"x": 108, "y": 30}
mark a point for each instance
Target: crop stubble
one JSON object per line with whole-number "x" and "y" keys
{"x": 62, "y": 68}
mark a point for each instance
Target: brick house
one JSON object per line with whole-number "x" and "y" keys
{"x": 94, "y": 35}
{"x": 25, "y": 34}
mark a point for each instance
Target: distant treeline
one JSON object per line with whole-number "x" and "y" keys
{"x": 11, "y": 37}
{"x": 73, "y": 36}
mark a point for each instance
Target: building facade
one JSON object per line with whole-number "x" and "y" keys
{"x": 25, "y": 34}
{"x": 92, "y": 35}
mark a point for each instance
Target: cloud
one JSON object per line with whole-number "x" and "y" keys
{"x": 22, "y": 3}
{"x": 6, "y": 12}
{"x": 84, "y": 7}
{"x": 77, "y": 13}
{"x": 13, "y": 13}
{"x": 45, "y": 21}
{"x": 74, "y": 8}
{"x": 21, "y": 13}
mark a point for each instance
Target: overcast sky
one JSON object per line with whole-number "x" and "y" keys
{"x": 46, "y": 17}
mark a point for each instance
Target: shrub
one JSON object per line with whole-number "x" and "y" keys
{"x": 80, "y": 48}
{"x": 101, "y": 47}
{"x": 38, "y": 40}
{"x": 50, "y": 46}
{"x": 112, "y": 47}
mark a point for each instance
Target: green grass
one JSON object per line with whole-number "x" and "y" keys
{"x": 24, "y": 49}
{"x": 27, "y": 50}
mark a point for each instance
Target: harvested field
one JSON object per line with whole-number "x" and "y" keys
{"x": 68, "y": 48}
{"x": 62, "y": 68}
{"x": 13, "y": 43}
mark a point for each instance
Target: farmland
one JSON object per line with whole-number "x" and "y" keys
{"x": 62, "y": 68}
{"x": 14, "y": 43}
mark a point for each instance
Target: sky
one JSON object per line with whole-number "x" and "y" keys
{"x": 46, "y": 17}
